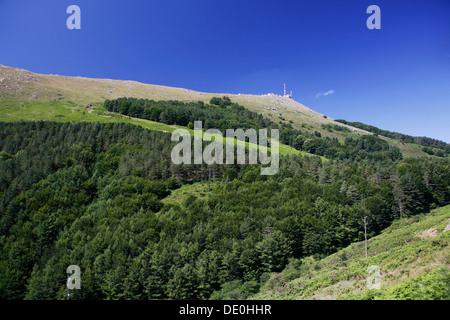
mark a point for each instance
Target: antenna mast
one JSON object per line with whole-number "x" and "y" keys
{"x": 365, "y": 233}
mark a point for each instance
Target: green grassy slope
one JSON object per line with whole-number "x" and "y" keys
{"x": 201, "y": 190}
{"x": 413, "y": 255}
{"x": 13, "y": 110}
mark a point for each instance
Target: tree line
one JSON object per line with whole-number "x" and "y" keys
{"x": 429, "y": 145}
{"x": 222, "y": 114}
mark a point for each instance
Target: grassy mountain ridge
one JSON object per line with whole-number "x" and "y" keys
{"x": 29, "y": 96}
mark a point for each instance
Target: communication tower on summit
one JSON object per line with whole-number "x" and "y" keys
{"x": 287, "y": 95}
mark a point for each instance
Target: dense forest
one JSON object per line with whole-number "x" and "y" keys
{"x": 222, "y": 114}
{"x": 429, "y": 145}
{"x": 91, "y": 194}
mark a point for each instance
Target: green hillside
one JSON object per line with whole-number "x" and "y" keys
{"x": 13, "y": 111}
{"x": 29, "y": 96}
{"x": 86, "y": 178}
{"x": 413, "y": 255}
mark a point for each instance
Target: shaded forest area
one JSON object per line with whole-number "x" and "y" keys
{"x": 90, "y": 195}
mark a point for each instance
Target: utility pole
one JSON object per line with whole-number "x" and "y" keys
{"x": 365, "y": 232}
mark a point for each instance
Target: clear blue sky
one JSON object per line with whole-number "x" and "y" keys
{"x": 396, "y": 78}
